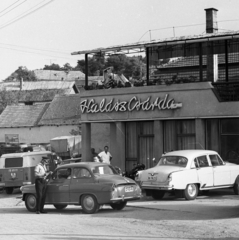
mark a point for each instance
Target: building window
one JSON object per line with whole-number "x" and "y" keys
{"x": 139, "y": 144}
{"x": 179, "y": 135}
{"x": 230, "y": 140}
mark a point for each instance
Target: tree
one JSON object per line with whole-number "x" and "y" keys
{"x": 53, "y": 66}
{"x": 129, "y": 66}
{"x": 21, "y": 73}
{"x": 8, "y": 98}
{"x": 76, "y": 131}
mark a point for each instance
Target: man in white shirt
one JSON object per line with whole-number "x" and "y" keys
{"x": 40, "y": 184}
{"x": 105, "y": 156}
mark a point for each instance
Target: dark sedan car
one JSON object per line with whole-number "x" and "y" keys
{"x": 88, "y": 184}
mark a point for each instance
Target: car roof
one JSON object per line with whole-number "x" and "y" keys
{"x": 82, "y": 164}
{"x": 22, "y": 154}
{"x": 190, "y": 153}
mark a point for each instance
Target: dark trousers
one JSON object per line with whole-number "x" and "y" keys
{"x": 40, "y": 186}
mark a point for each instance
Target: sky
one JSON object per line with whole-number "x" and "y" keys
{"x": 35, "y": 33}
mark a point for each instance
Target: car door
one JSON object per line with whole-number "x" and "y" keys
{"x": 204, "y": 171}
{"x": 58, "y": 187}
{"x": 82, "y": 182}
{"x": 221, "y": 173}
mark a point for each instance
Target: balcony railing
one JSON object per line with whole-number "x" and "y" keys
{"x": 226, "y": 91}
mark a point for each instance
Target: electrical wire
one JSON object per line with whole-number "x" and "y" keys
{"x": 27, "y": 14}
{"x": 35, "y": 53}
{"x": 39, "y": 49}
{"x": 9, "y": 6}
{"x": 13, "y": 8}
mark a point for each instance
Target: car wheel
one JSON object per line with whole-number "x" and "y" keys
{"x": 157, "y": 195}
{"x": 118, "y": 206}
{"x": 31, "y": 202}
{"x": 191, "y": 191}
{"x": 236, "y": 186}
{"x": 60, "y": 206}
{"x": 89, "y": 204}
{"x": 9, "y": 190}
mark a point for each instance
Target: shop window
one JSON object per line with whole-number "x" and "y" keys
{"x": 179, "y": 135}
{"x": 139, "y": 144}
{"x": 212, "y": 134}
{"x": 230, "y": 140}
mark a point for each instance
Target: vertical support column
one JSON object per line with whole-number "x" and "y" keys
{"x": 86, "y": 71}
{"x": 86, "y": 142}
{"x": 200, "y": 133}
{"x": 147, "y": 65}
{"x": 200, "y": 63}
{"x": 158, "y": 139}
{"x": 226, "y": 60}
{"x": 119, "y": 145}
{"x": 113, "y": 143}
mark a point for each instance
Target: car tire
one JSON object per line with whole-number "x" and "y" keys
{"x": 236, "y": 186}
{"x": 118, "y": 206}
{"x": 31, "y": 202}
{"x": 9, "y": 190}
{"x": 89, "y": 204}
{"x": 60, "y": 206}
{"x": 158, "y": 194}
{"x": 191, "y": 191}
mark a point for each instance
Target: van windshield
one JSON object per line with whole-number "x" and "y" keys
{"x": 13, "y": 162}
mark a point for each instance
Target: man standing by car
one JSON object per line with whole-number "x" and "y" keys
{"x": 40, "y": 184}
{"x": 105, "y": 156}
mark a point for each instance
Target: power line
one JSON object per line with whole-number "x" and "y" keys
{"x": 35, "y": 53}
{"x": 21, "y": 17}
{"x": 13, "y": 8}
{"x": 9, "y": 6}
{"x": 40, "y": 49}
{"x": 192, "y": 25}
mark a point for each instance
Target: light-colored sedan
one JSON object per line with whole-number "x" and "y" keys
{"x": 186, "y": 172}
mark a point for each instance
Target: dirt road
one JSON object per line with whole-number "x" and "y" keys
{"x": 208, "y": 217}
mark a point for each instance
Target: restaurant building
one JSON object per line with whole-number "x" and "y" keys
{"x": 191, "y": 102}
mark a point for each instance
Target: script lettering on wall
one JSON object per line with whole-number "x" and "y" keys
{"x": 134, "y": 104}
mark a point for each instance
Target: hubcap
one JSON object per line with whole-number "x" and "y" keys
{"x": 192, "y": 190}
{"x": 89, "y": 203}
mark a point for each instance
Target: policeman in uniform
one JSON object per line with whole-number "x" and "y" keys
{"x": 40, "y": 184}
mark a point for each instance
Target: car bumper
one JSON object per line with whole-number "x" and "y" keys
{"x": 122, "y": 199}
{"x": 156, "y": 187}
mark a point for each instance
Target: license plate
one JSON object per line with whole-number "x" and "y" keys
{"x": 129, "y": 189}
{"x": 152, "y": 178}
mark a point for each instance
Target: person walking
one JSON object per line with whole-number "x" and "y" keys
{"x": 40, "y": 184}
{"x": 105, "y": 156}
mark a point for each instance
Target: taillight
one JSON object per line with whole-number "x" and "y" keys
{"x": 114, "y": 192}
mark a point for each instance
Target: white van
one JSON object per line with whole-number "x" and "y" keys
{"x": 17, "y": 169}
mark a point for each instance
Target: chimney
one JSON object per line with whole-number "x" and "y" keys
{"x": 211, "y": 20}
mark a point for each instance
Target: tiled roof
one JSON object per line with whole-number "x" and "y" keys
{"x": 22, "y": 115}
{"x": 63, "y": 110}
{"x": 9, "y": 86}
{"x": 58, "y": 75}
{"x": 41, "y": 95}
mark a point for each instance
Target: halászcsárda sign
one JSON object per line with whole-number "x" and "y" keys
{"x": 134, "y": 104}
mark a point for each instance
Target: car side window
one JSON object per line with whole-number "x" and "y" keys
{"x": 215, "y": 160}
{"x": 81, "y": 173}
{"x": 63, "y": 173}
{"x": 202, "y": 161}
{"x": 195, "y": 163}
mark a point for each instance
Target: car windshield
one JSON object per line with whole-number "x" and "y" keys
{"x": 102, "y": 170}
{"x": 173, "y": 161}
